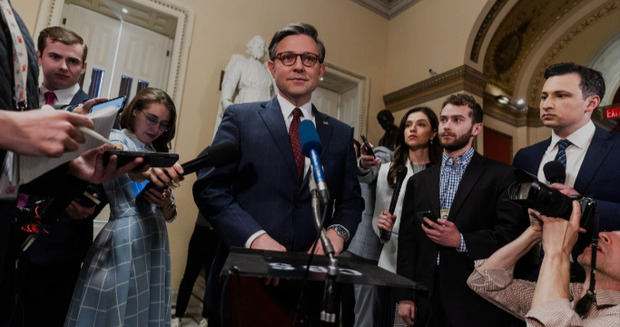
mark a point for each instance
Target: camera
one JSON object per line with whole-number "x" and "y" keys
{"x": 529, "y": 192}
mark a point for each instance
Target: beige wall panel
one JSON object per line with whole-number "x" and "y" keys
{"x": 430, "y": 34}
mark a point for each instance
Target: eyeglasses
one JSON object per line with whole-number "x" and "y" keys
{"x": 289, "y": 58}
{"x": 153, "y": 121}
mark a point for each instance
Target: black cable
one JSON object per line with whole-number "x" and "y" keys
{"x": 307, "y": 271}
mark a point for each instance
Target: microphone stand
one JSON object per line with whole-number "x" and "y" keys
{"x": 330, "y": 301}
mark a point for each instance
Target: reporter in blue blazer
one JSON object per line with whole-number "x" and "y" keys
{"x": 569, "y": 96}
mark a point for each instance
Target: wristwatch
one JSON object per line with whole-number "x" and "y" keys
{"x": 341, "y": 231}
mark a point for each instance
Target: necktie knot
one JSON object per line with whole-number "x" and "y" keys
{"x": 297, "y": 114}
{"x": 563, "y": 144}
{"x": 561, "y": 155}
{"x": 50, "y": 97}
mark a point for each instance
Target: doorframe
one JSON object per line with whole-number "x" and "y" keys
{"x": 363, "y": 93}
{"x": 51, "y": 12}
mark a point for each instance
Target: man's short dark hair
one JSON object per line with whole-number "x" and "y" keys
{"x": 296, "y": 29}
{"x": 462, "y": 99}
{"x": 592, "y": 82}
{"x": 62, "y": 35}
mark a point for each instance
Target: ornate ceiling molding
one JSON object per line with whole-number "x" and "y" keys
{"x": 387, "y": 8}
{"x": 484, "y": 28}
{"x": 518, "y": 35}
{"x": 462, "y": 78}
{"x": 537, "y": 81}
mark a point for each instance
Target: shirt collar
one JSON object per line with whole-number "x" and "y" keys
{"x": 581, "y": 138}
{"x": 461, "y": 161}
{"x": 133, "y": 136}
{"x": 63, "y": 96}
{"x": 287, "y": 108}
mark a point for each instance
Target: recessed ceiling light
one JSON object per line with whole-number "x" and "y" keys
{"x": 124, "y": 10}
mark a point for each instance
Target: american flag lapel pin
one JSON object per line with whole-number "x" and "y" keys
{"x": 325, "y": 122}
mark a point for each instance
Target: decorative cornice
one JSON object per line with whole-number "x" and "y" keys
{"x": 484, "y": 28}
{"x": 508, "y": 115}
{"x": 387, "y": 8}
{"x": 463, "y": 78}
{"x": 537, "y": 81}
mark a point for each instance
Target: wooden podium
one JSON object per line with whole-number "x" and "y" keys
{"x": 252, "y": 303}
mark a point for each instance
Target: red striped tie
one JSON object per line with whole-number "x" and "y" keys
{"x": 293, "y": 134}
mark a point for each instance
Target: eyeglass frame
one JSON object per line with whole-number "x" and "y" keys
{"x": 153, "y": 120}
{"x": 299, "y": 55}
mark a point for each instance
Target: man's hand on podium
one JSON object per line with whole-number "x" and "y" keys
{"x": 266, "y": 242}
{"x": 337, "y": 243}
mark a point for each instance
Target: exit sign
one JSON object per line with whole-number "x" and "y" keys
{"x": 612, "y": 112}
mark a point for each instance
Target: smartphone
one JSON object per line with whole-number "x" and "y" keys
{"x": 117, "y": 103}
{"x": 368, "y": 147}
{"x": 87, "y": 200}
{"x": 153, "y": 159}
{"x": 425, "y": 213}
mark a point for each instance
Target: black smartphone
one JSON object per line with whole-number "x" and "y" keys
{"x": 153, "y": 159}
{"x": 117, "y": 103}
{"x": 425, "y": 213}
{"x": 368, "y": 147}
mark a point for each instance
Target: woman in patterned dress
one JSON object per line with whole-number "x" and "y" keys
{"x": 125, "y": 280}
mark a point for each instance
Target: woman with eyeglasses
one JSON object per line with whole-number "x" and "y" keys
{"x": 125, "y": 279}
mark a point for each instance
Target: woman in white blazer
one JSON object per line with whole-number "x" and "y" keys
{"x": 416, "y": 148}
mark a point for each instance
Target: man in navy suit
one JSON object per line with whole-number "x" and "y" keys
{"x": 52, "y": 263}
{"x": 62, "y": 56}
{"x": 262, "y": 200}
{"x": 592, "y": 158}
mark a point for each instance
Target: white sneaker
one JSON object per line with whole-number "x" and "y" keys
{"x": 203, "y": 323}
{"x": 175, "y": 322}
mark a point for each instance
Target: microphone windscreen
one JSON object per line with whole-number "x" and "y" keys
{"x": 216, "y": 155}
{"x": 309, "y": 138}
{"x": 555, "y": 172}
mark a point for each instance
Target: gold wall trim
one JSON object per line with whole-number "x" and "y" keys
{"x": 503, "y": 113}
{"x": 462, "y": 78}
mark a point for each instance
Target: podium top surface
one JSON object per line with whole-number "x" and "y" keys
{"x": 292, "y": 265}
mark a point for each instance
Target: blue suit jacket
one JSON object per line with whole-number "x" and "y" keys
{"x": 79, "y": 98}
{"x": 261, "y": 189}
{"x": 598, "y": 176}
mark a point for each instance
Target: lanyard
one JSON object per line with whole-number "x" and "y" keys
{"x": 20, "y": 55}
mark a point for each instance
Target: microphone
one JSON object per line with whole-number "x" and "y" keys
{"x": 311, "y": 146}
{"x": 213, "y": 156}
{"x": 401, "y": 173}
{"x": 555, "y": 172}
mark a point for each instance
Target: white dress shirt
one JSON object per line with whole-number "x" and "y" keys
{"x": 63, "y": 97}
{"x": 575, "y": 153}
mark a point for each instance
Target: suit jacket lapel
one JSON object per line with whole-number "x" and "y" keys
{"x": 539, "y": 152}
{"x": 471, "y": 175}
{"x": 271, "y": 114}
{"x": 597, "y": 151}
{"x": 433, "y": 188}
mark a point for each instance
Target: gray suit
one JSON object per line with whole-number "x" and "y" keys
{"x": 366, "y": 244}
